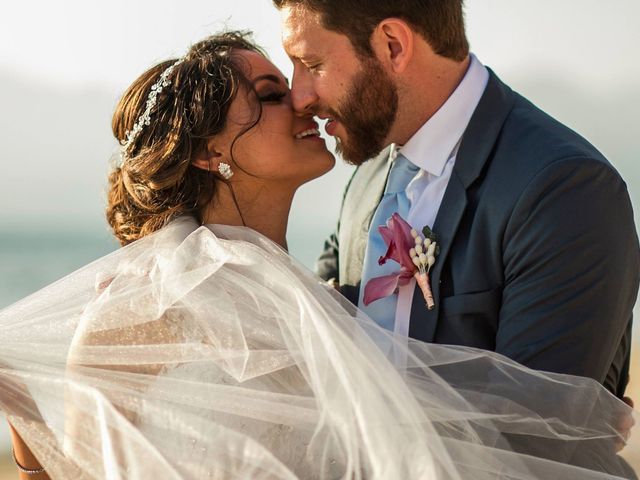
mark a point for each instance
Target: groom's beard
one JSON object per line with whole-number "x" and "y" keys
{"x": 367, "y": 113}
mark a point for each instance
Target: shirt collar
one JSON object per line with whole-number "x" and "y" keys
{"x": 436, "y": 140}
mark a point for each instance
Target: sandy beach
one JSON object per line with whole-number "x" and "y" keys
{"x": 7, "y": 470}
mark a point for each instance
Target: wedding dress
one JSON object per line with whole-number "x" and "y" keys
{"x": 208, "y": 352}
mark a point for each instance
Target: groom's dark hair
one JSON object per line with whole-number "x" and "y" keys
{"x": 440, "y": 22}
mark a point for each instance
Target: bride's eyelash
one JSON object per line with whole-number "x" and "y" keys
{"x": 272, "y": 97}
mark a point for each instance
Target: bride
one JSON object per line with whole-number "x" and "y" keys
{"x": 202, "y": 350}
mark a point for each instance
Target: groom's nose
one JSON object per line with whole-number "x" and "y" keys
{"x": 303, "y": 93}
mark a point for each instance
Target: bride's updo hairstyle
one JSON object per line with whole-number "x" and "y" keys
{"x": 155, "y": 181}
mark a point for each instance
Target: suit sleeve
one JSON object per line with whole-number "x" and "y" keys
{"x": 571, "y": 264}
{"x": 327, "y": 263}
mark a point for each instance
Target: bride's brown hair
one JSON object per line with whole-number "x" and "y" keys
{"x": 156, "y": 181}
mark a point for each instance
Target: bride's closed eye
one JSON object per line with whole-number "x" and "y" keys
{"x": 271, "y": 97}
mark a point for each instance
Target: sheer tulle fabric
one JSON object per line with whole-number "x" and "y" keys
{"x": 207, "y": 352}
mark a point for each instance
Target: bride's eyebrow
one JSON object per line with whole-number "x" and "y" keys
{"x": 270, "y": 77}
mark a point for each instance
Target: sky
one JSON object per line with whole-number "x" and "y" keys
{"x": 64, "y": 64}
{"x": 74, "y": 42}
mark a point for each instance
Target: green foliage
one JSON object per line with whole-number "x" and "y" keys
{"x": 428, "y": 233}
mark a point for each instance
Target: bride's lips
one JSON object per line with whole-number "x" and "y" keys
{"x": 310, "y": 132}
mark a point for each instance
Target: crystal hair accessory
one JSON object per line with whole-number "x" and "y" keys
{"x": 152, "y": 99}
{"x": 225, "y": 170}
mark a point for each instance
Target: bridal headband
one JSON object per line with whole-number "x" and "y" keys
{"x": 145, "y": 118}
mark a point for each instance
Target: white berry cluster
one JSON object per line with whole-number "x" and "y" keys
{"x": 423, "y": 254}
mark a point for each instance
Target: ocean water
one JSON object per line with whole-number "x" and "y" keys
{"x": 30, "y": 260}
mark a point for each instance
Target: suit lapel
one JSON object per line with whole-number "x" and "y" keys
{"x": 423, "y": 321}
{"x": 475, "y": 149}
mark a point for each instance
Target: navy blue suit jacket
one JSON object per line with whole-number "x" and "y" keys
{"x": 539, "y": 252}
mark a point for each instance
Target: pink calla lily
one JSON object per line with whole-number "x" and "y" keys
{"x": 397, "y": 236}
{"x": 400, "y": 247}
{"x": 384, "y": 286}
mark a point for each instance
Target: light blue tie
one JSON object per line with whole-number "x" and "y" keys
{"x": 383, "y": 311}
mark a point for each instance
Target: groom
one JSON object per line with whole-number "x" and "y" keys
{"x": 539, "y": 254}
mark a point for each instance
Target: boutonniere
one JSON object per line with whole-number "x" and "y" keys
{"x": 415, "y": 253}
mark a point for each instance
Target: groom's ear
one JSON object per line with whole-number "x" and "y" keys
{"x": 393, "y": 43}
{"x": 209, "y": 158}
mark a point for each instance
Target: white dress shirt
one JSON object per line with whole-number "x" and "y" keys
{"x": 433, "y": 148}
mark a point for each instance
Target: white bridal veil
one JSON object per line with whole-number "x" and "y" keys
{"x": 207, "y": 352}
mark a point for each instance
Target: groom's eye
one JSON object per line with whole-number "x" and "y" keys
{"x": 313, "y": 68}
{"x": 271, "y": 97}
